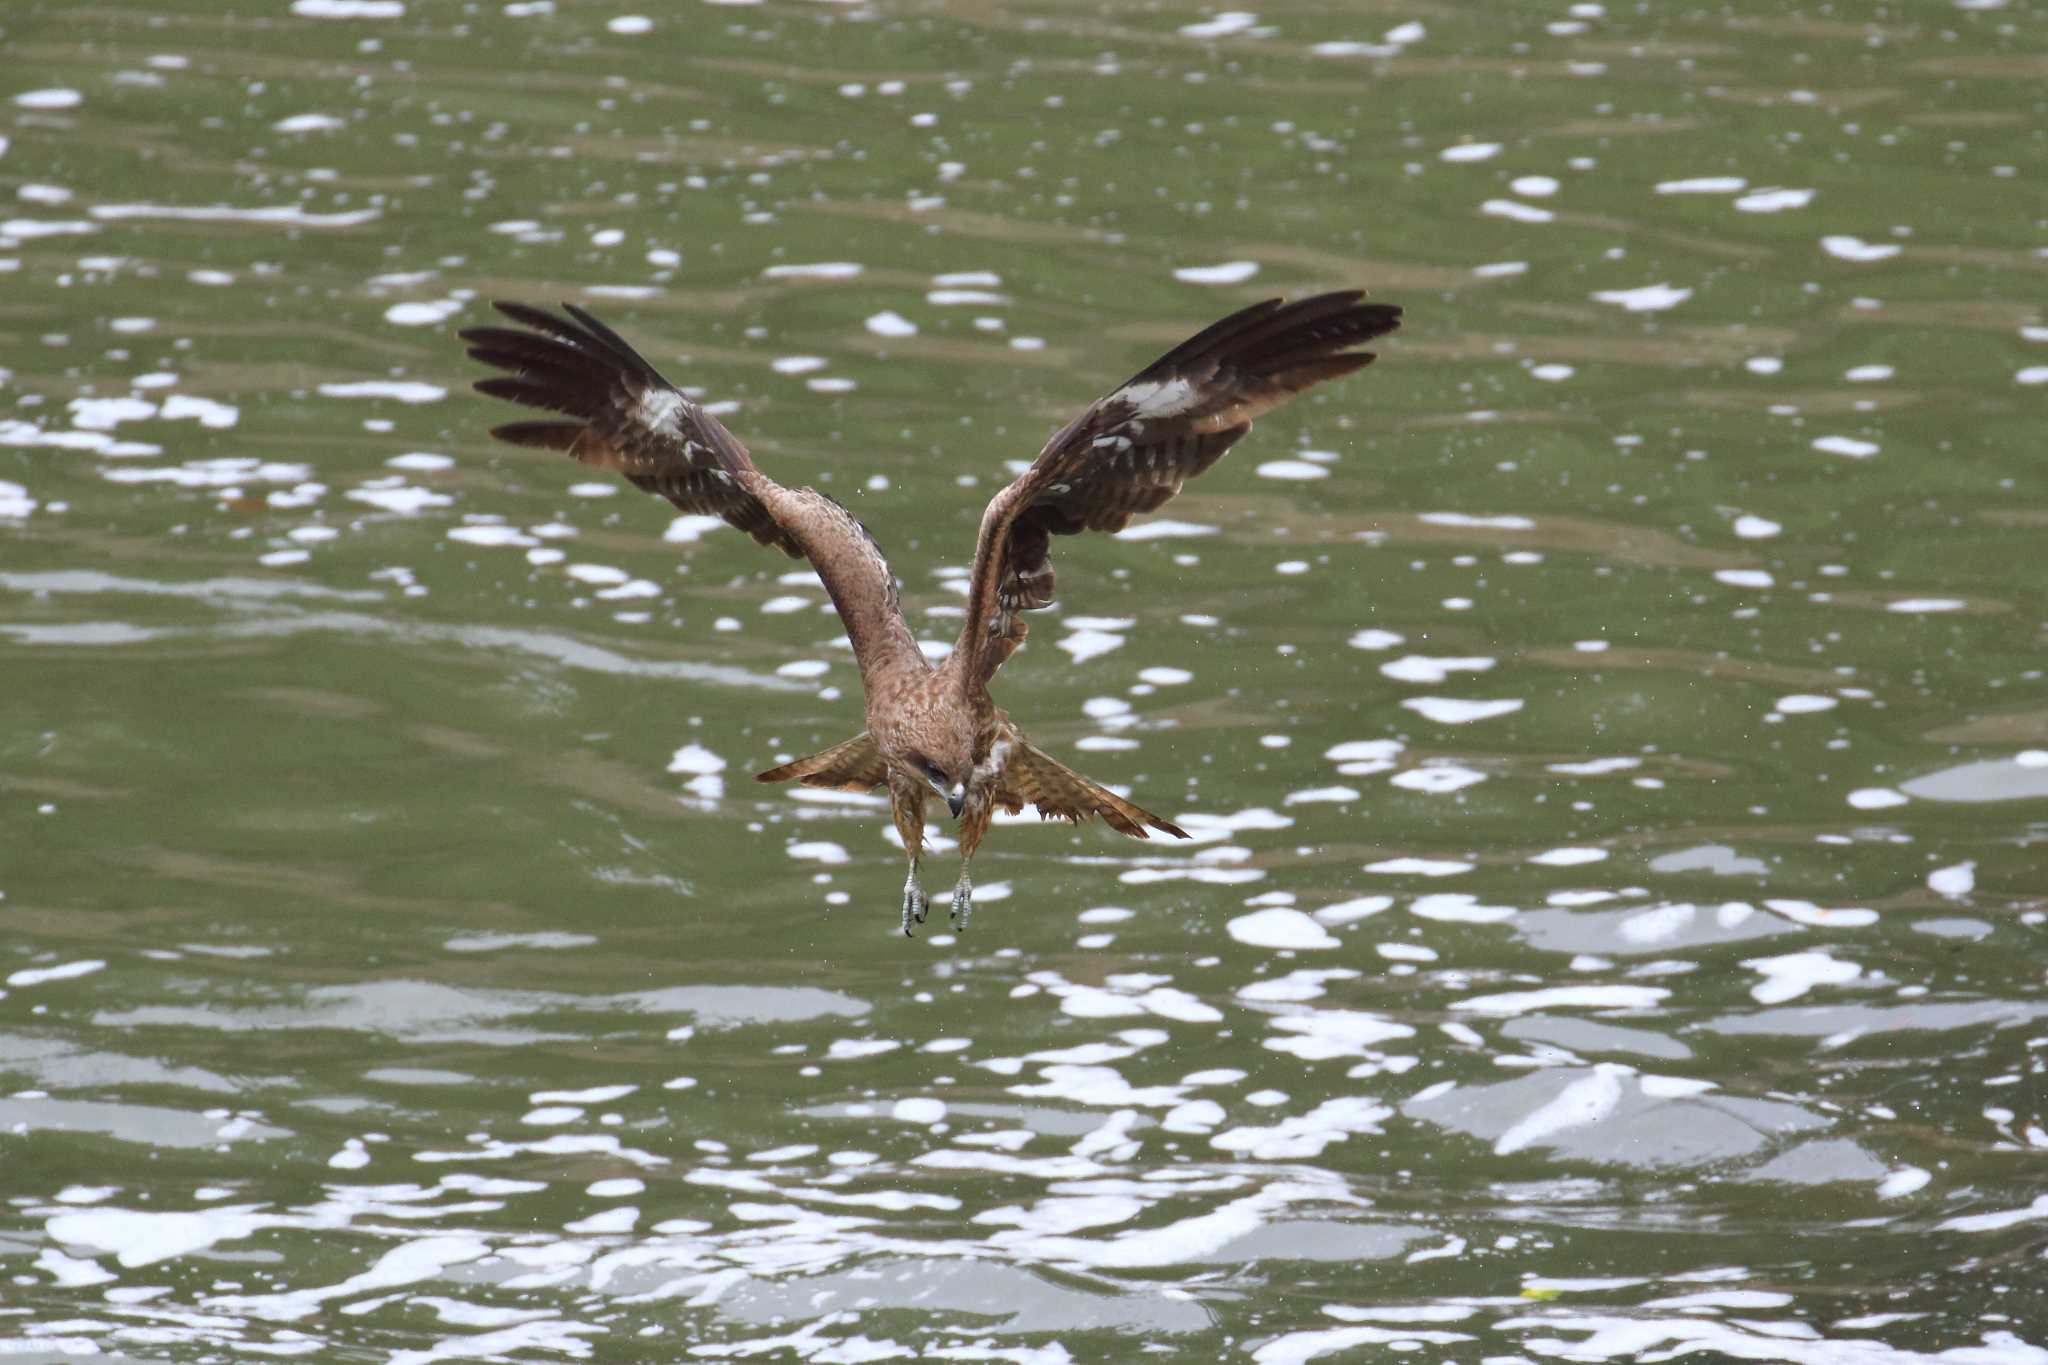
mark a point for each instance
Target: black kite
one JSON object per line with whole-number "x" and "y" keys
{"x": 935, "y": 730}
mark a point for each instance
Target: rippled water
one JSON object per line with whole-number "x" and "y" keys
{"x": 1613, "y": 727}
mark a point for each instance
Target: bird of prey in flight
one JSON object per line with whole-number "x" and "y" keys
{"x": 935, "y": 731}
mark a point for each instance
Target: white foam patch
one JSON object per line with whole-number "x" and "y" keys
{"x": 1570, "y": 857}
{"x": 1461, "y": 711}
{"x": 398, "y": 496}
{"x": 1437, "y": 779}
{"x": 1876, "y": 798}
{"x": 1850, "y": 446}
{"x": 1516, "y": 211}
{"x": 1470, "y": 151}
{"x": 1818, "y": 917}
{"x": 1206, "y": 827}
{"x": 1458, "y": 907}
{"x": 696, "y": 760}
{"x": 278, "y": 215}
{"x": 427, "y": 314}
{"x": 1322, "y": 1034}
{"x": 1501, "y": 522}
{"x": 138, "y": 1239}
{"x": 1419, "y": 867}
{"x": 1311, "y": 795}
{"x": 1920, "y": 606}
{"x": 1993, "y": 1222}
{"x": 1846, "y": 248}
{"x": 1565, "y": 997}
{"x": 1305, "y": 1136}
{"x": 1705, "y": 184}
{"x": 1774, "y": 200}
{"x": 1300, "y": 470}
{"x": 813, "y": 270}
{"x": 1792, "y": 975}
{"x": 1165, "y": 529}
{"x": 1177, "y": 1243}
{"x": 691, "y": 527}
{"x": 1084, "y": 645}
{"x": 1649, "y": 298}
{"x": 1756, "y": 528}
{"x": 1959, "y": 880}
{"x": 1222, "y": 26}
{"x": 1277, "y": 927}
{"x": 397, "y": 390}
{"x": 1357, "y": 908}
{"x": 1417, "y": 668}
{"x": 348, "y": 9}
{"x": 1592, "y": 1098}
{"x": 37, "y": 976}
{"x": 889, "y": 323}
{"x": 1229, "y": 272}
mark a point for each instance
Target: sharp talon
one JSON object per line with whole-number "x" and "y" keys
{"x": 915, "y": 906}
{"x": 963, "y": 905}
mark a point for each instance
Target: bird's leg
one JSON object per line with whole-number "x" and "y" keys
{"x": 974, "y": 818}
{"x": 915, "y": 902}
{"x": 907, "y": 805}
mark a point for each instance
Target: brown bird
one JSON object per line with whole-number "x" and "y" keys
{"x": 936, "y": 731}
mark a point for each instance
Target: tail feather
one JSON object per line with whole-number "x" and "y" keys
{"x": 854, "y": 765}
{"x": 1035, "y": 777}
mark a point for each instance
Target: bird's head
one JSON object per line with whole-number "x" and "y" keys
{"x": 936, "y": 751}
{"x": 947, "y": 780}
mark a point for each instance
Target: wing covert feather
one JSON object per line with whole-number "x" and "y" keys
{"x": 624, "y": 416}
{"x": 1131, "y": 450}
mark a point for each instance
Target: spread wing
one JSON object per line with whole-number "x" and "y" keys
{"x": 1132, "y": 449}
{"x": 624, "y": 416}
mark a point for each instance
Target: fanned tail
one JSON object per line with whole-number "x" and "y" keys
{"x": 1035, "y": 777}
{"x": 854, "y": 765}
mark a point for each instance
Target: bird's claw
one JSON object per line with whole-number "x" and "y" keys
{"x": 915, "y": 906}
{"x": 963, "y": 905}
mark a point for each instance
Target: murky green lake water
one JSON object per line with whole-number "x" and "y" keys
{"x": 1614, "y": 726}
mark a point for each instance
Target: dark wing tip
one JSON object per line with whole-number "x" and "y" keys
{"x": 1168, "y": 827}
{"x": 514, "y": 309}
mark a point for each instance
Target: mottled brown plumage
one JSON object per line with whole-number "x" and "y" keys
{"x": 936, "y": 731}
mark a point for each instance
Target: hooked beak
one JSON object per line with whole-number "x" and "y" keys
{"x": 955, "y": 797}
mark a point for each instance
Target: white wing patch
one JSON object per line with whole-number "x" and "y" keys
{"x": 990, "y": 769}
{"x": 657, "y": 406}
{"x": 1156, "y": 399}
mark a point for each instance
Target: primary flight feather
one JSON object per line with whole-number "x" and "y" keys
{"x": 935, "y": 730}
